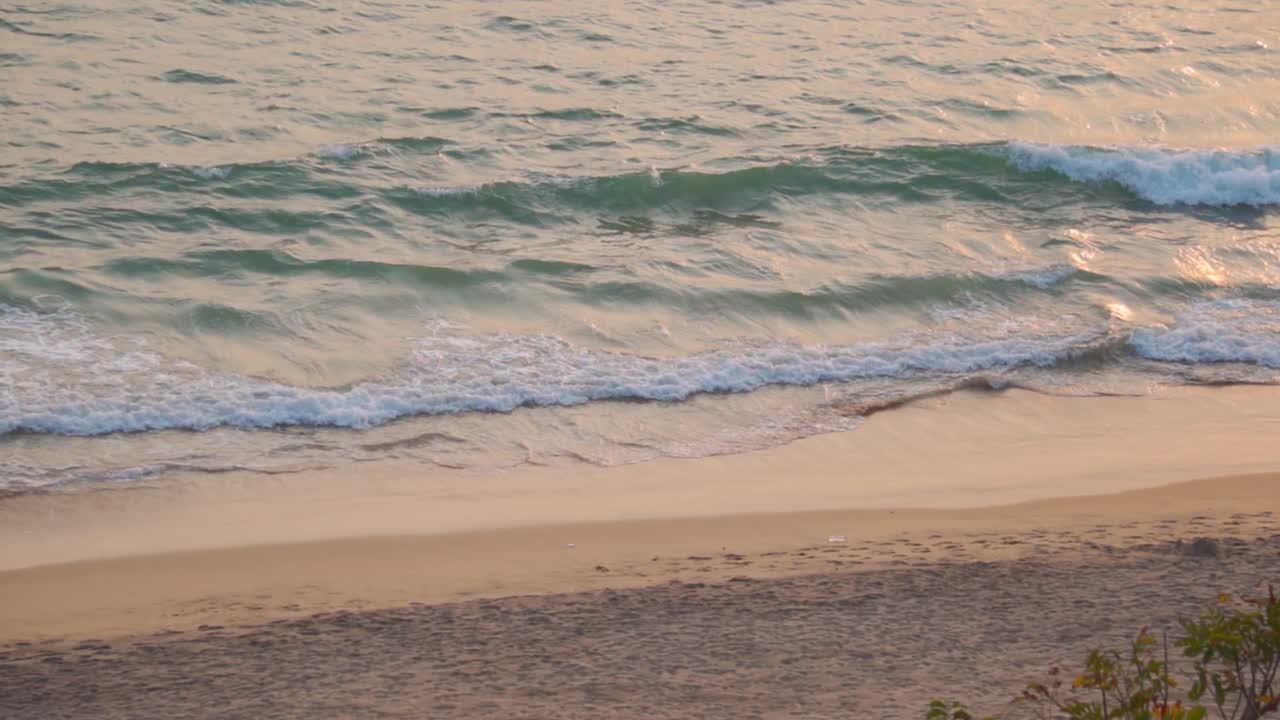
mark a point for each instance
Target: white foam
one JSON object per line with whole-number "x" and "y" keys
{"x": 1043, "y": 278}
{"x": 211, "y": 173}
{"x": 445, "y": 190}
{"x": 99, "y": 385}
{"x": 61, "y": 338}
{"x": 1164, "y": 176}
{"x": 340, "y": 152}
{"x": 1238, "y": 331}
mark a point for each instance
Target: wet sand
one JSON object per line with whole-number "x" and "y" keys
{"x": 712, "y": 608}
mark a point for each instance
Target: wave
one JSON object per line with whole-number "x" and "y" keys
{"x": 213, "y": 263}
{"x": 180, "y": 75}
{"x": 906, "y": 173}
{"x": 913, "y": 174}
{"x": 60, "y": 377}
{"x": 870, "y": 293}
{"x": 591, "y": 285}
{"x": 998, "y": 173}
{"x": 1164, "y": 176}
{"x": 63, "y": 379}
{"x": 1015, "y": 174}
{"x": 1222, "y": 331}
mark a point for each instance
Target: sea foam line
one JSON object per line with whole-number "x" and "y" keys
{"x": 48, "y": 391}
{"x": 58, "y": 376}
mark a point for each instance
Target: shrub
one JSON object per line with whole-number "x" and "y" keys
{"x": 1131, "y": 686}
{"x": 1234, "y": 649}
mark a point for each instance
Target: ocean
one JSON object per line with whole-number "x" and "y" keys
{"x": 277, "y": 235}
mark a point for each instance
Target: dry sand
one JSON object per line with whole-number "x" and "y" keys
{"x": 176, "y": 601}
{"x": 870, "y": 629}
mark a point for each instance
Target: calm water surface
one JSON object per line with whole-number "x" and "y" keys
{"x": 286, "y": 234}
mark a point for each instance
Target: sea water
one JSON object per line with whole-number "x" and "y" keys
{"x": 275, "y": 235}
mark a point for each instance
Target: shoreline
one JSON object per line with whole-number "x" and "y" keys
{"x": 1043, "y": 526}
{"x": 239, "y": 549}
{"x": 968, "y": 449}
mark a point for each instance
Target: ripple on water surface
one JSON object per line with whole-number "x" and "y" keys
{"x": 318, "y": 234}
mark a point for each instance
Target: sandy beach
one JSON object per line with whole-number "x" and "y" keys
{"x": 627, "y": 360}
{"x": 310, "y": 596}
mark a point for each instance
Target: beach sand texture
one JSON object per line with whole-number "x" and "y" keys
{"x": 717, "y": 637}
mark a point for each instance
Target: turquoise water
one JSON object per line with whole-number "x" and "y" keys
{"x": 282, "y": 235}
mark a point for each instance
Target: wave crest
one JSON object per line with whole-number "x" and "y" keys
{"x": 1222, "y": 331}
{"x": 1164, "y": 176}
